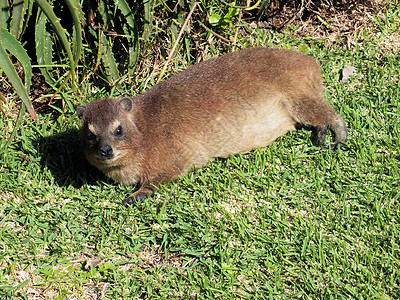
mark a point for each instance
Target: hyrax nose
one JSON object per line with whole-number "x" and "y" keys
{"x": 106, "y": 151}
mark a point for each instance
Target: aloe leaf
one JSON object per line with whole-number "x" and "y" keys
{"x": 28, "y": 15}
{"x": 17, "y": 19}
{"x": 147, "y": 4}
{"x": 132, "y": 34}
{"x": 127, "y": 12}
{"x": 105, "y": 47}
{"x": 8, "y": 41}
{"x": 108, "y": 59}
{"x": 16, "y": 49}
{"x": 4, "y": 13}
{"x": 103, "y": 11}
{"x": 78, "y": 18}
{"x": 44, "y": 47}
{"x": 61, "y": 33}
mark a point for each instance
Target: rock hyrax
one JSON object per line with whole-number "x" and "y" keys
{"x": 229, "y": 104}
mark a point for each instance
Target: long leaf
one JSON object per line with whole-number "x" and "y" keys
{"x": 61, "y": 33}
{"x": 7, "y": 41}
{"x": 132, "y": 34}
{"x": 28, "y": 15}
{"x": 108, "y": 59}
{"x": 105, "y": 46}
{"x": 44, "y": 47}
{"x": 4, "y": 13}
{"x": 16, "y": 49}
{"x": 78, "y": 18}
{"x": 17, "y": 20}
{"x": 262, "y": 9}
{"x": 148, "y": 8}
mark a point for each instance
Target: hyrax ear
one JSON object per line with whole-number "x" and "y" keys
{"x": 80, "y": 110}
{"x": 126, "y": 103}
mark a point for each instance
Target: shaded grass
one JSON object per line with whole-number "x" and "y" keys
{"x": 290, "y": 220}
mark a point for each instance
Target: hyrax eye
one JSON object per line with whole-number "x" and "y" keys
{"x": 118, "y": 132}
{"x": 91, "y": 136}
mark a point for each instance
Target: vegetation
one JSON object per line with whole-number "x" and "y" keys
{"x": 287, "y": 221}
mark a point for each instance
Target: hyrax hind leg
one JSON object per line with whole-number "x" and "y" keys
{"x": 317, "y": 114}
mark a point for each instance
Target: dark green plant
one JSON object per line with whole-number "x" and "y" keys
{"x": 50, "y": 32}
{"x": 114, "y": 33}
{"x": 14, "y": 20}
{"x": 44, "y": 44}
{"x": 11, "y": 23}
{"x": 59, "y": 65}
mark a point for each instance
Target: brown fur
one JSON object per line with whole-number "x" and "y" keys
{"x": 230, "y": 104}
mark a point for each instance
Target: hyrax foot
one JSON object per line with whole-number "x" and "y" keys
{"x": 318, "y": 135}
{"x": 336, "y": 146}
{"x": 129, "y": 201}
{"x": 133, "y": 199}
{"x": 139, "y": 195}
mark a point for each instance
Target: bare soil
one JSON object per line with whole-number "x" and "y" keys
{"x": 322, "y": 19}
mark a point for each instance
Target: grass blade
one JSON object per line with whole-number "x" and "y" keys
{"x": 21, "y": 285}
{"x": 21, "y": 113}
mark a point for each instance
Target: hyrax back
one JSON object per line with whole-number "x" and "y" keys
{"x": 230, "y": 104}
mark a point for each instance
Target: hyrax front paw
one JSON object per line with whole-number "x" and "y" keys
{"x": 129, "y": 201}
{"x": 318, "y": 135}
{"x": 133, "y": 199}
{"x": 336, "y": 146}
{"x": 139, "y": 195}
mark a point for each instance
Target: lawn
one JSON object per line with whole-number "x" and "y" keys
{"x": 288, "y": 221}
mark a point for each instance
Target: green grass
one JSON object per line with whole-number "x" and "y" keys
{"x": 287, "y": 221}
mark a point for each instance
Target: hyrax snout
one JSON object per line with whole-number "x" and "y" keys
{"x": 230, "y": 104}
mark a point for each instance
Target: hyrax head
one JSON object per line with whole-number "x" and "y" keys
{"x": 107, "y": 131}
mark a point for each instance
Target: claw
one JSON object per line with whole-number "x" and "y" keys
{"x": 131, "y": 200}
{"x": 128, "y": 201}
{"x": 336, "y": 146}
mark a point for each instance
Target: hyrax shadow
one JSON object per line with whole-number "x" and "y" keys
{"x": 62, "y": 156}
{"x": 229, "y": 104}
